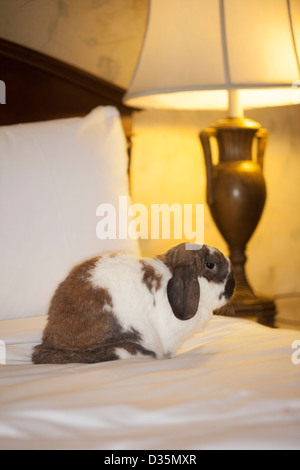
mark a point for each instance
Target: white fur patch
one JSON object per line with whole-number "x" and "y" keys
{"x": 124, "y": 354}
{"x": 132, "y": 301}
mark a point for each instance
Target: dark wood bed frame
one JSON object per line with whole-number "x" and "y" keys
{"x": 39, "y": 87}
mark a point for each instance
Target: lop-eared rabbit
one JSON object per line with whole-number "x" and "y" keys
{"x": 116, "y": 306}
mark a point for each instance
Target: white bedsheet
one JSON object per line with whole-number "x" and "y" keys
{"x": 232, "y": 387}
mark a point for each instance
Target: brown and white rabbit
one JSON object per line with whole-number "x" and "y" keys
{"x": 116, "y": 306}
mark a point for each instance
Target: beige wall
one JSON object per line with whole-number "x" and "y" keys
{"x": 104, "y": 38}
{"x": 101, "y": 36}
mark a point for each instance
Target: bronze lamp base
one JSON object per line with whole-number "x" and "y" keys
{"x": 236, "y": 194}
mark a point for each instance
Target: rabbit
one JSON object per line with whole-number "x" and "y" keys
{"x": 116, "y": 306}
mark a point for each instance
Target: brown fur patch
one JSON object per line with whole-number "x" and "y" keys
{"x": 151, "y": 278}
{"x": 180, "y": 256}
{"x": 82, "y": 326}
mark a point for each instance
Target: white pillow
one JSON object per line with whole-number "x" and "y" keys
{"x": 53, "y": 175}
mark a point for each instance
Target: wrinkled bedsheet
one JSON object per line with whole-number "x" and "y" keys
{"x": 234, "y": 386}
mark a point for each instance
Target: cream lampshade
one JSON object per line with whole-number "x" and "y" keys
{"x": 234, "y": 55}
{"x": 195, "y": 51}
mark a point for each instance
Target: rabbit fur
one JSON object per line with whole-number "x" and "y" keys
{"x": 116, "y": 306}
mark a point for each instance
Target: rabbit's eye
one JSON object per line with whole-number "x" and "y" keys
{"x": 210, "y": 265}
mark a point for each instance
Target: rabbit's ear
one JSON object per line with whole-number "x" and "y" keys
{"x": 184, "y": 291}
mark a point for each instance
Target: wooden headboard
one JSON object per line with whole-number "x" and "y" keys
{"x": 39, "y": 87}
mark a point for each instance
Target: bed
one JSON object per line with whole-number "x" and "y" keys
{"x": 234, "y": 386}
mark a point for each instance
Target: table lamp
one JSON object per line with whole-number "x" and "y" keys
{"x": 224, "y": 54}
